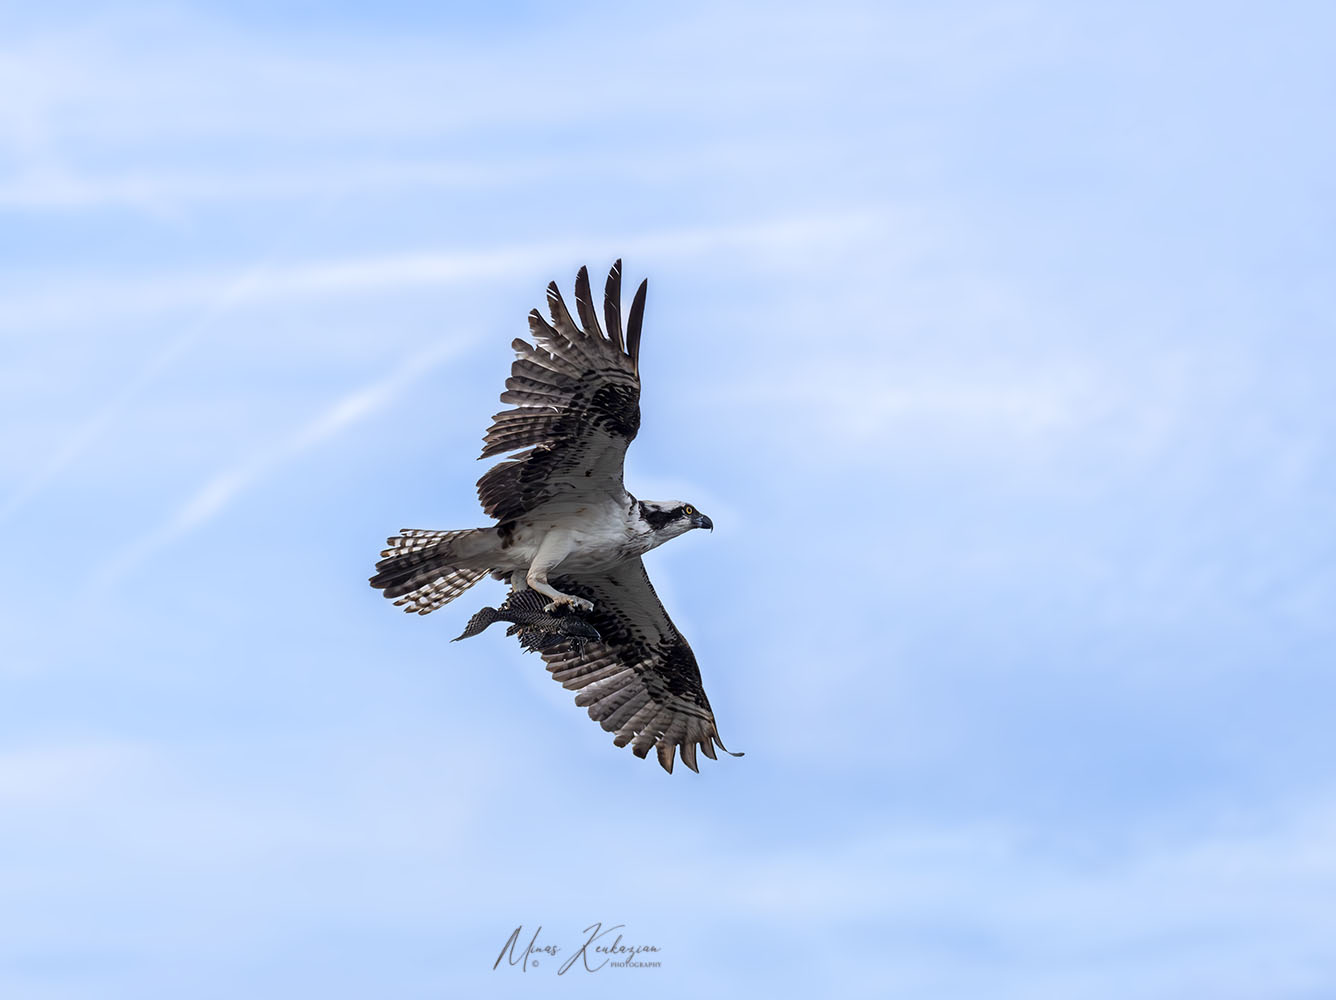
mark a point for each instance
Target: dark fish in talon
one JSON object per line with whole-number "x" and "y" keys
{"x": 536, "y": 628}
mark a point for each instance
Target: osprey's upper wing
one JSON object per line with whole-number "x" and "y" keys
{"x": 577, "y": 404}
{"x": 640, "y": 680}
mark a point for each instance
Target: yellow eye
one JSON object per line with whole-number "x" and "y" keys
{"x": 688, "y": 509}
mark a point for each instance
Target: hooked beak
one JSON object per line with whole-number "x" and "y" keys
{"x": 701, "y": 521}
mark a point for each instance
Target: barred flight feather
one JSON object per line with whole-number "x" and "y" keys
{"x": 640, "y": 680}
{"x": 576, "y": 399}
{"x": 440, "y": 592}
{"x": 612, "y": 305}
{"x": 584, "y": 303}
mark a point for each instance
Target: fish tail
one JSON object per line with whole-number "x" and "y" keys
{"x": 478, "y": 623}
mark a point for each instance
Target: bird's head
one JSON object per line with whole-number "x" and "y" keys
{"x": 670, "y": 518}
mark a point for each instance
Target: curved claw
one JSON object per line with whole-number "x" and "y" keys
{"x": 579, "y": 603}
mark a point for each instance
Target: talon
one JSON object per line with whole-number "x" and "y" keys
{"x": 579, "y": 603}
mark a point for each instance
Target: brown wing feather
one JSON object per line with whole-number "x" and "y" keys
{"x": 612, "y": 304}
{"x": 640, "y": 681}
{"x": 576, "y": 399}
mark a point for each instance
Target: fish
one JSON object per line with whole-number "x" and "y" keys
{"x": 537, "y": 628}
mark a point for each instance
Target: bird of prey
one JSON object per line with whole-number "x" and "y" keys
{"x": 569, "y": 530}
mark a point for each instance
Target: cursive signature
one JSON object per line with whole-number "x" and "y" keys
{"x": 593, "y": 954}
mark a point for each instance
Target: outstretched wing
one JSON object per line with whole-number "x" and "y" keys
{"x": 640, "y": 680}
{"x": 577, "y": 404}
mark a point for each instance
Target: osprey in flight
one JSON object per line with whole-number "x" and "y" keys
{"x": 570, "y": 531}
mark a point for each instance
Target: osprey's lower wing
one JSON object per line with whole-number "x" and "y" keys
{"x": 640, "y": 680}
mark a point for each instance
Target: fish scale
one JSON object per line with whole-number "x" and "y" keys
{"x": 536, "y": 627}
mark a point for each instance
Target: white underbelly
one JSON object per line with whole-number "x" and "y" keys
{"x": 597, "y": 539}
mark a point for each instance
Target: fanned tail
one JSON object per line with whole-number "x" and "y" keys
{"x": 422, "y": 569}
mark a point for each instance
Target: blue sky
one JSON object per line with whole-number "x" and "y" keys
{"x": 996, "y": 339}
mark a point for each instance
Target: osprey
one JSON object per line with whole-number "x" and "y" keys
{"x": 568, "y": 529}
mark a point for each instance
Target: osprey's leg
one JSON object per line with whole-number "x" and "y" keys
{"x": 555, "y": 547}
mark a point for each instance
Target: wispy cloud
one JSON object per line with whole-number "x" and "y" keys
{"x": 214, "y": 497}
{"x": 219, "y": 294}
{"x": 59, "y": 187}
{"x": 76, "y": 302}
{"x": 1212, "y": 907}
{"x": 49, "y": 184}
{"x": 216, "y": 300}
{"x": 112, "y": 76}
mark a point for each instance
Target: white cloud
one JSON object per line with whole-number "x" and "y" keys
{"x": 215, "y": 296}
{"x": 163, "y": 191}
{"x": 216, "y": 300}
{"x": 1209, "y": 910}
{"x": 211, "y": 499}
{"x": 77, "y": 301}
{"x": 855, "y": 405}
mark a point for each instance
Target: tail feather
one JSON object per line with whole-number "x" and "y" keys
{"x": 439, "y": 591}
{"x": 421, "y": 568}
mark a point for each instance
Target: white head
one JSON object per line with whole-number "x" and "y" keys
{"x": 670, "y": 518}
